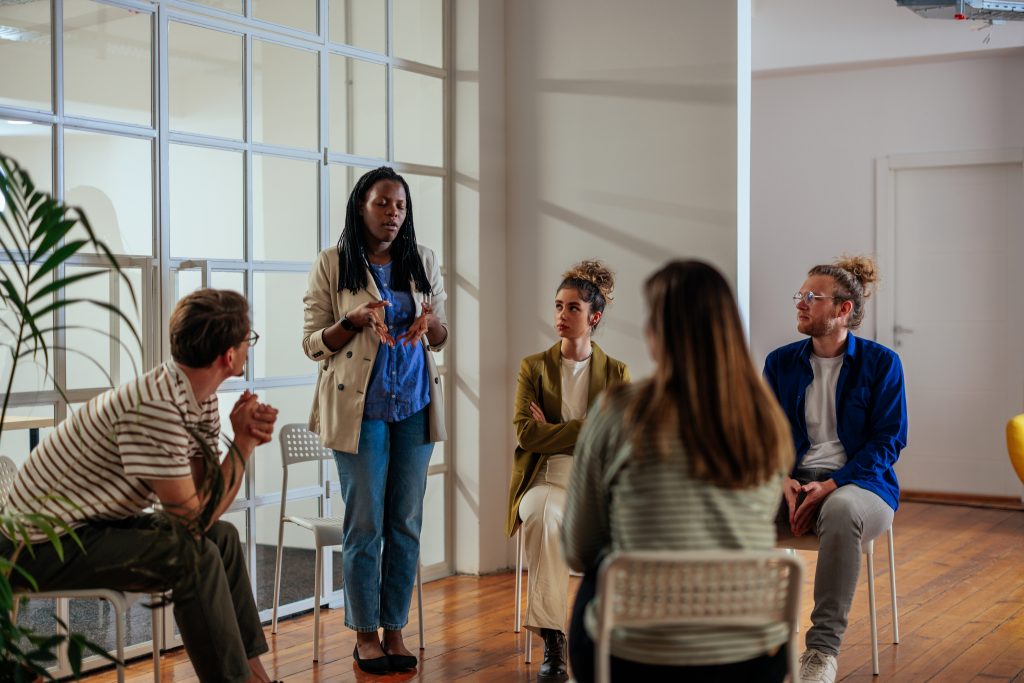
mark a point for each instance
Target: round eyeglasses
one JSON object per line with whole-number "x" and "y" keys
{"x": 253, "y": 338}
{"x": 809, "y": 297}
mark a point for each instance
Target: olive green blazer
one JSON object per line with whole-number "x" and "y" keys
{"x": 540, "y": 381}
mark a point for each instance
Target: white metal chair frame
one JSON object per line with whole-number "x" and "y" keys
{"x": 121, "y": 601}
{"x": 520, "y": 540}
{"x": 810, "y": 542}
{"x": 298, "y": 445}
{"x": 704, "y": 588}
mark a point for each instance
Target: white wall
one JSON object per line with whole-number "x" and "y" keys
{"x": 815, "y": 140}
{"x": 613, "y": 135}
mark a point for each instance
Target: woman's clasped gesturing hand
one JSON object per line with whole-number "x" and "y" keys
{"x": 369, "y": 315}
{"x": 419, "y": 327}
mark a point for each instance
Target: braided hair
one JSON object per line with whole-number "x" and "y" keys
{"x": 352, "y": 244}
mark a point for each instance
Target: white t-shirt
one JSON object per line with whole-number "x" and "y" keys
{"x": 575, "y": 389}
{"x": 826, "y": 451}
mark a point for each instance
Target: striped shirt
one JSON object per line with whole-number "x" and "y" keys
{"x": 99, "y": 458}
{"x": 619, "y": 501}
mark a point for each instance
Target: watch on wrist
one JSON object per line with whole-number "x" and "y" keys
{"x": 347, "y": 324}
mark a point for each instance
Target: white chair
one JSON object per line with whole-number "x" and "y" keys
{"x": 520, "y": 540}
{"x": 119, "y": 600}
{"x": 699, "y": 588}
{"x": 810, "y": 542}
{"x": 298, "y": 444}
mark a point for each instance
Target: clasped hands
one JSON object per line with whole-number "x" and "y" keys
{"x": 803, "y": 502}
{"x": 368, "y": 315}
{"x": 253, "y": 422}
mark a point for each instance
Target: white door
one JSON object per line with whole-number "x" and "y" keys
{"x": 957, "y": 305}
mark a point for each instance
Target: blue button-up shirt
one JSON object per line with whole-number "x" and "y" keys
{"x": 399, "y": 386}
{"x": 871, "y": 410}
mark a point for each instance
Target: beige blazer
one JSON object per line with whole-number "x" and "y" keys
{"x": 540, "y": 381}
{"x": 337, "y": 413}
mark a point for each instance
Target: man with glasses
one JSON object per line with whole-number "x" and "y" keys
{"x": 845, "y": 400}
{"x": 156, "y": 440}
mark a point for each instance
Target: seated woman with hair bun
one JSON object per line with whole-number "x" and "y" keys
{"x": 555, "y": 390}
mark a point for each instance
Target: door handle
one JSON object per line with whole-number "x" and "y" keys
{"x": 899, "y": 329}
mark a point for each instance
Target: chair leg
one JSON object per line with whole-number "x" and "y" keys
{"x": 319, "y": 573}
{"x": 892, "y": 591}
{"x": 519, "y": 579}
{"x": 119, "y": 630}
{"x": 871, "y": 603}
{"x": 157, "y": 616}
{"x": 419, "y": 599}
{"x": 277, "y": 573}
{"x": 529, "y": 633}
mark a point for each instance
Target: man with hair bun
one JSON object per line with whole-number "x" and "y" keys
{"x": 845, "y": 400}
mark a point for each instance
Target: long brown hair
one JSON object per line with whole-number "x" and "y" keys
{"x": 705, "y": 387}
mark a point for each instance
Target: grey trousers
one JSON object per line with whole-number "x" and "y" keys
{"x": 212, "y": 597}
{"x": 849, "y": 516}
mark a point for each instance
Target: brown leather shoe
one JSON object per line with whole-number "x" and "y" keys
{"x": 552, "y": 670}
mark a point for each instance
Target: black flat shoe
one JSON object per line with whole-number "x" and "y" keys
{"x": 401, "y": 662}
{"x": 377, "y": 665}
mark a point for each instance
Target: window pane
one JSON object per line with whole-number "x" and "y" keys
{"x": 96, "y": 621}
{"x": 234, "y": 6}
{"x": 205, "y": 81}
{"x": 340, "y": 183}
{"x": 360, "y": 23}
{"x": 16, "y": 436}
{"x": 207, "y": 203}
{"x": 358, "y": 107}
{"x": 228, "y": 279}
{"x": 418, "y": 31}
{"x": 285, "y": 209}
{"x": 419, "y": 127}
{"x": 25, "y": 42}
{"x": 284, "y": 95}
{"x": 300, "y": 14}
{"x": 277, "y": 316}
{"x": 110, "y": 178}
{"x": 432, "y": 535}
{"x": 428, "y": 209}
{"x": 31, "y": 146}
{"x": 95, "y": 358}
{"x": 293, "y": 404}
{"x": 107, "y": 62}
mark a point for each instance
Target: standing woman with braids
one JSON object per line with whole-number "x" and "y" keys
{"x": 555, "y": 390}
{"x": 690, "y": 459}
{"x": 374, "y": 311}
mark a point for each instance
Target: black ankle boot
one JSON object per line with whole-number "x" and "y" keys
{"x": 553, "y": 668}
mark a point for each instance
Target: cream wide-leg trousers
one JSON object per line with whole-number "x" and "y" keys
{"x": 541, "y": 510}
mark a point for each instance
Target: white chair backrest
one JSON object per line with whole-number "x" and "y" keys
{"x": 8, "y": 470}
{"x": 707, "y": 588}
{"x": 298, "y": 444}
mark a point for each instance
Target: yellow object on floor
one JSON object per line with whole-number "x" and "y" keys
{"x": 1015, "y": 444}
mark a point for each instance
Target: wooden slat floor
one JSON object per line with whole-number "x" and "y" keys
{"x": 960, "y": 583}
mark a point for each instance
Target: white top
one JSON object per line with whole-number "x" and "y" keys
{"x": 575, "y": 387}
{"x": 826, "y": 451}
{"x": 100, "y": 457}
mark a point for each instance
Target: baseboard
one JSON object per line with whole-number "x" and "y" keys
{"x": 965, "y": 499}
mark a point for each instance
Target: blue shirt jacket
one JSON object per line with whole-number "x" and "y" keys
{"x": 871, "y": 410}
{"x": 399, "y": 386}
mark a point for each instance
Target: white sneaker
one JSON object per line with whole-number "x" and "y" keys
{"x": 817, "y": 667}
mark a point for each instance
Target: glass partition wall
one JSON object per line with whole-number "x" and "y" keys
{"x": 214, "y": 143}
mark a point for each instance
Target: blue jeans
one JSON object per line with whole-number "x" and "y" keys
{"x": 383, "y": 486}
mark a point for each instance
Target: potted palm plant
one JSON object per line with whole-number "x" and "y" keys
{"x": 38, "y": 236}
